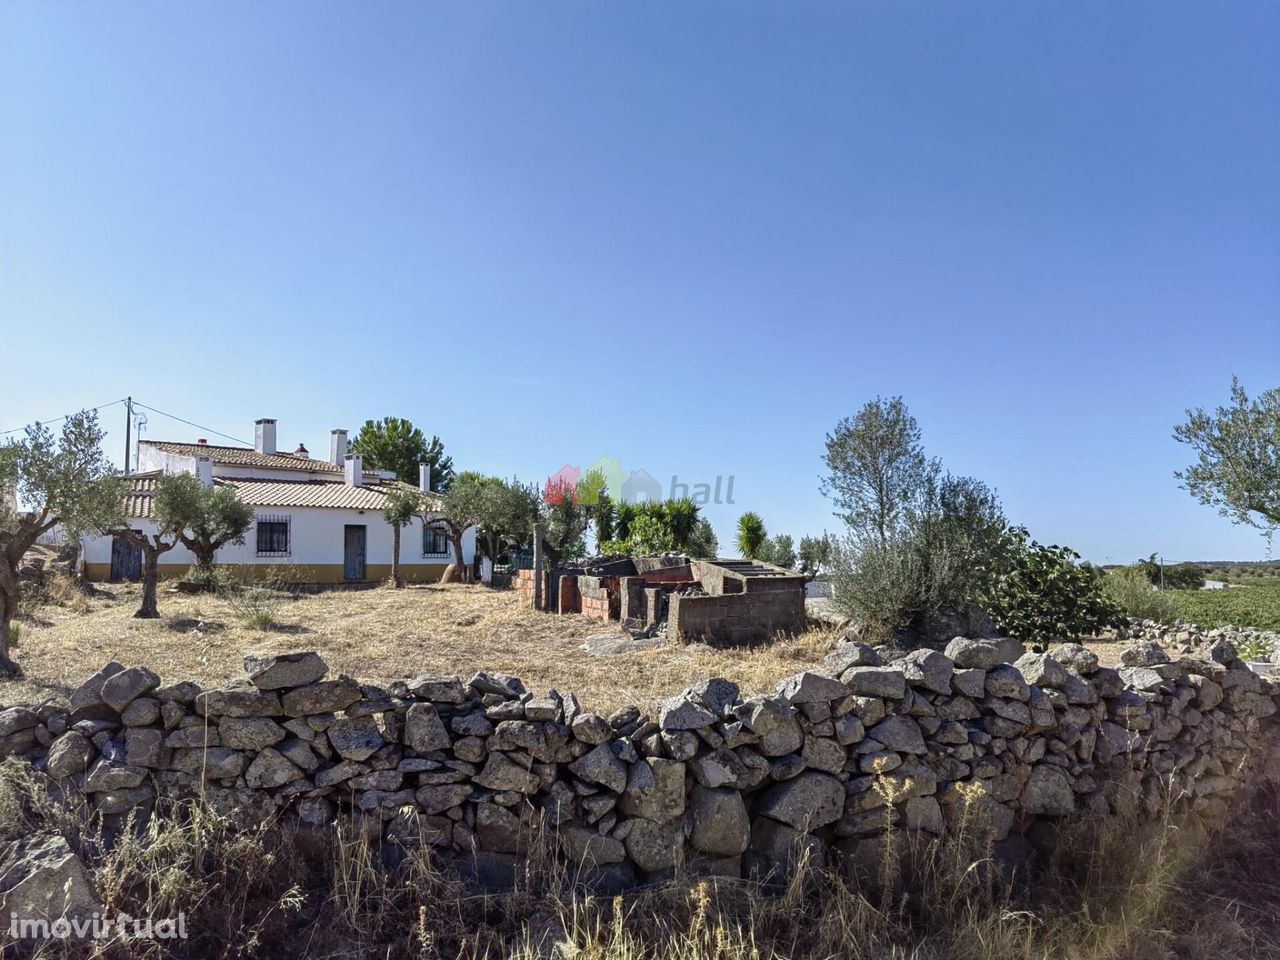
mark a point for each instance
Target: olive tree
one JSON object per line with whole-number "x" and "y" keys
{"x": 463, "y": 507}
{"x": 66, "y": 480}
{"x": 876, "y": 467}
{"x": 1237, "y": 448}
{"x": 175, "y": 504}
{"x": 206, "y": 518}
{"x": 564, "y": 521}
{"x": 403, "y": 504}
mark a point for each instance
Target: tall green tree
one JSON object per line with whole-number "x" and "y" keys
{"x": 779, "y": 550}
{"x": 564, "y": 522}
{"x": 67, "y": 481}
{"x": 876, "y": 465}
{"x": 403, "y": 504}
{"x": 703, "y": 544}
{"x": 815, "y": 554}
{"x": 172, "y": 506}
{"x": 1237, "y": 449}
{"x": 397, "y": 445}
{"x": 751, "y": 535}
{"x": 508, "y": 514}
{"x": 210, "y": 517}
{"x": 464, "y": 506}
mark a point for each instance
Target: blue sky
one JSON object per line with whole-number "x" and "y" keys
{"x": 688, "y": 236}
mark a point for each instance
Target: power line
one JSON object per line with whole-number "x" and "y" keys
{"x": 198, "y": 426}
{"x": 101, "y": 406}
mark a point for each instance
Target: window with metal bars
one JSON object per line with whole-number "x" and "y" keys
{"x": 273, "y": 536}
{"x": 435, "y": 540}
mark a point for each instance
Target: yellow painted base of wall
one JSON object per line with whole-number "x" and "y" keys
{"x": 290, "y": 572}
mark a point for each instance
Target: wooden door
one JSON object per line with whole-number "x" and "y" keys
{"x": 353, "y": 552}
{"x": 126, "y": 560}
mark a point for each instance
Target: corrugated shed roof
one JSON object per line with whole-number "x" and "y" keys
{"x": 244, "y": 456}
{"x": 331, "y": 494}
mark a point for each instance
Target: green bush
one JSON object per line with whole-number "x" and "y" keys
{"x": 1041, "y": 594}
{"x": 648, "y": 537}
{"x": 1184, "y": 576}
{"x": 1130, "y": 589}
{"x": 898, "y": 582}
{"x": 212, "y": 579}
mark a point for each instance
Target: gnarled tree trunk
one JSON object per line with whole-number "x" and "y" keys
{"x": 397, "y": 581}
{"x": 458, "y": 570}
{"x": 8, "y": 608}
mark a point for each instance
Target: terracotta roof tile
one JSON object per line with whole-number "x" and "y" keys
{"x": 332, "y": 494}
{"x": 244, "y": 456}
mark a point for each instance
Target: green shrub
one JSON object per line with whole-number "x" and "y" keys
{"x": 1130, "y": 589}
{"x": 895, "y": 583}
{"x": 1041, "y": 594}
{"x": 213, "y": 579}
{"x": 1184, "y": 576}
{"x": 648, "y": 537}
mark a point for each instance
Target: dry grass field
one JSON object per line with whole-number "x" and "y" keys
{"x": 375, "y": 634}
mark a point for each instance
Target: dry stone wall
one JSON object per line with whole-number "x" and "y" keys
{"x": 710, "y": 782}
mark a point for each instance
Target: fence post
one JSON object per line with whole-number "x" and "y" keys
{"x": 537, "y": 566}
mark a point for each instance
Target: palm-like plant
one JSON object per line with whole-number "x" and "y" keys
{"x": 751, "y": 534}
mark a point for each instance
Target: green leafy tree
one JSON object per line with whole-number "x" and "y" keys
{"x": 207, "y": 518}
{"x": 876, "y": 468}
{"x": 751, "y": 535}
{"x": 172, "y": 506}
{"x": 510, "y": 511}
{"x": 403, "y": 504}
{"x": 815, "y": 554}
{"x": 1040, "y": 594}
{"x": 623, "y": 514}
{"x": 1237, "y": 448}
{"x": 780, "y": 551}
{"x": 602, "y": 519}
{"x": 703, "y": 544}
{"x": 564, "y": 522}
{"x": 463, "y": 506}
{"x": 67, "y": 481}
{"x": 397, "y": 445}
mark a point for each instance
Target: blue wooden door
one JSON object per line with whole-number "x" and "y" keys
{"x": 353, "y": 553}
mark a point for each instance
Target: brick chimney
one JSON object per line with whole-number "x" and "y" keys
{"x": 424, "y": 477}
{"x": 264, "y": 435}
{"x": 353, "y": 470}
{"x": 337, "y": 447}
{"x": 204, "y": 471}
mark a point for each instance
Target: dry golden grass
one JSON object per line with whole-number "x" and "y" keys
{"x": 380, "y": 635}
{"x": 1116, "y": 890}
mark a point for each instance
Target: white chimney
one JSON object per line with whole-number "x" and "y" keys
{"x": 424, "y": 477}
{"x": 352, "y": 471}
{"x": 264, "y": 435}
{"x": 204, "y": 471}
{"x": 337, "y": 447}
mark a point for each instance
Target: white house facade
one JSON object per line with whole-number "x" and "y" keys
{"x": 317, "y": 521}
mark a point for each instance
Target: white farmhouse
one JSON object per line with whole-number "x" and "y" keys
{"x": 318, "y": 521}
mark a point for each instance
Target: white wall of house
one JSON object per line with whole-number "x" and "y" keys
{"x": 316, "y": 537}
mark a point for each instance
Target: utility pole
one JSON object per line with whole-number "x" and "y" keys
{"x": 128, "y": 431}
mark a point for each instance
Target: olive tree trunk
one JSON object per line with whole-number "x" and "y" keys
{"x": 397, "y": 581}
{"x": 8, "y": 608}
{"x": 458, "y": 570}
